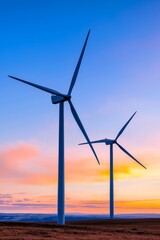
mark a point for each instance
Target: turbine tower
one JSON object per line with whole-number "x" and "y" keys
{"x": 60, "y": 98}
{"x": 111, "y": 142}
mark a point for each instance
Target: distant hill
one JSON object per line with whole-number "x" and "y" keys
{"x": 28, "y": 217}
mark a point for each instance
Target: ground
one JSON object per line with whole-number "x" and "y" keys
{"x": 132, "y": 229}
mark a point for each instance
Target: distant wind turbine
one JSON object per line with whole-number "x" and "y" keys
{"x": 60, "y": 98}
{"x": 111, "y": 142}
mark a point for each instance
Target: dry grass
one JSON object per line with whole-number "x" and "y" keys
{"x": 132, "y": 229}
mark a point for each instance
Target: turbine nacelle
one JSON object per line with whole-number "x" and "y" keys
{"x": 57, "y": 99}
{"x": 109, "y": 141}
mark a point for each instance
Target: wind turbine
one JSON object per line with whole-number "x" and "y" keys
{"x": 60, "y": 98}
{"x": 111, "y": 142}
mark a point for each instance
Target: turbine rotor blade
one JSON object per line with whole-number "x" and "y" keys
{"x": 77, "y": 119}
{"x": 123, "y": 128}
{"x": 78, "y": 66}
{"x": 124, "y": 150}
{"x": 98, "y": 141}
{"x": 39, "y": 87}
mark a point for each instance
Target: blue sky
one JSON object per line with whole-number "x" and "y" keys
{"x": 41, "y": 42}
{"x": 123, "y": 44}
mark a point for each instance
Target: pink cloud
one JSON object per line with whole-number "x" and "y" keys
{"x": 11, "y": 158}
{"x": 15, "y": 155}
{"x": 24, "y": 164}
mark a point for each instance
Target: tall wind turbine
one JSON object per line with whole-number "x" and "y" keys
{"x": 111, "y": 142}
{"x": 60, "y": 98}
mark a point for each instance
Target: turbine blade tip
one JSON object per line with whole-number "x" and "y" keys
{"x": 82, "y": 143}
{"x": 11, "y": 76}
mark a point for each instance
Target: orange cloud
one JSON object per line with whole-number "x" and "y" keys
{"x": 39, "y": 179}
{"x": 150, "y": 204}
{"x": 41, "y": 170}
{"x": 84, "y": 170}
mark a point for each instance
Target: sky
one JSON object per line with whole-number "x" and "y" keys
{"x": 120, "y": 74}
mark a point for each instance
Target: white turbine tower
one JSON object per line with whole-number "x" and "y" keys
{"x": 60, "y": 98}
{"x": 111, "y": 142}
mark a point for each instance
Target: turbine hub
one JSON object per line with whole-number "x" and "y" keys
{"x": 109, "y": 141}
{"x": 58, "y": 99}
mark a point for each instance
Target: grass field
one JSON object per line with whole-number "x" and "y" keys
{"x": 132, "y": 229}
